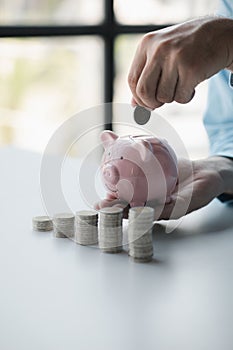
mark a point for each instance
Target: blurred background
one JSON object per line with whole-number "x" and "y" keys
{"x": 45, "y": 79}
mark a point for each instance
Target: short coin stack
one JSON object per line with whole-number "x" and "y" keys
{"x": 140, "y": 233}
{"x": 110, "y": 229}
{"x": 86, "y": 227}
{"x": 63, "y": 225}
{"x": 42, "y": 223}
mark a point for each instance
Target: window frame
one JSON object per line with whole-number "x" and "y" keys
{"x": 108, "y": 30}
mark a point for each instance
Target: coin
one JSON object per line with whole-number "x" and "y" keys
{"x": 141, "y": 115}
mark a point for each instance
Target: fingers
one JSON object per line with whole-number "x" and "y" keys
{"x": 152, "y": 78}
{"x": 142, "y": 80}
{"x": 136, "y": 69}
{"x": 167, "y": 84}
{"x": 159, "y": 87}
{"x": 154, "y": 85}
{"x": 160, "y": 73}
{"x": 182, "y": 202}
{"x": 147, "y": 86}
{"x": 133, "y": 102}
{"x": 174, "y": 210}
{"x": 184, "y": 92}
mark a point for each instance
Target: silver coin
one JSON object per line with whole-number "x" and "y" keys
{"x": 111, "y": 210}
{"x": 113, "y": 250}
{"x": 141, "y": 211}
{"x": 141, "y": 115}
{"x": 142, "y": 259}
{"x": 86, "y": 214}
{"x": 63, "y": 216}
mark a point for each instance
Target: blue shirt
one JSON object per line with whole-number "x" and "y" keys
{"x": 218, "y": 117}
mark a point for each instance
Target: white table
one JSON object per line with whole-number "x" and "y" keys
{"x": 58, "y": 295}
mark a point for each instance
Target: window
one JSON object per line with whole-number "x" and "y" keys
{"x": 41, "y": 84}
{"x": 51, "y": 12}
{"x": 58, "y": 57}
{"x": 161, "y": 11}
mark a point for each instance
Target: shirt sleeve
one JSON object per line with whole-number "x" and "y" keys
{"x": 218, "y": 117}
{"x": 225, "y": 8}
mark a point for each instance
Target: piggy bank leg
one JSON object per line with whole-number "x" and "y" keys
{"x": 168, "y": 200}
{"x": 109, "y": 201}
{"x": 111, "y": 196}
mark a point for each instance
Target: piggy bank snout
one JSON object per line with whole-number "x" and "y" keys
{"x": 111, "y": 174}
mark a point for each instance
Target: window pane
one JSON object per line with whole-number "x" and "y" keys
{"x": 45, "y": 81}
{"x": 161, "y": 11}
{"x": 51, "y": 11}
{"x": 186, "y": 119}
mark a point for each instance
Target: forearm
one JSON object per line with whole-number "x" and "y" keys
{"x": 218, "y": 32}
{"x": 224, "y": 167}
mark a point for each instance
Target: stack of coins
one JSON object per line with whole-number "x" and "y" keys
{"x": 110, "y": 230}
{"x": 63, "y": 225}
{"x": 86, "y": 227}
{"x": 42, "y": 223}
{"x": 140, "y": 233}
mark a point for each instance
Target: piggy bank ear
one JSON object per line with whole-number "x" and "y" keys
{"x": 144, "y": 148}
{"x": 107, "y": 138}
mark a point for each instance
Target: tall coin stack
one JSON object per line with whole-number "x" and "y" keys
{"x": 86, "y": 227}
{"x": 110, "y": 229}
{"x": 63, "y": 225}
{"x": 140, "y": 233}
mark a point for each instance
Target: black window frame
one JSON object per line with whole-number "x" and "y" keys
{"x": 108, "y": 30}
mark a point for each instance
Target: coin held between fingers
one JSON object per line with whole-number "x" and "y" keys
{"x": 141, "y": 115}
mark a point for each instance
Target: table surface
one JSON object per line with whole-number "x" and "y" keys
{"x": 58, "y": 295}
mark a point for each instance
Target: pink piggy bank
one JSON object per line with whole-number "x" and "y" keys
{"x": 138, "y": 169}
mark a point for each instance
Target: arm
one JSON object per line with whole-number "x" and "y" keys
{"x": 171, "y": 62}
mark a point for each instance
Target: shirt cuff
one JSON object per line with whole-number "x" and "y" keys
{"x": 231, "y": 80}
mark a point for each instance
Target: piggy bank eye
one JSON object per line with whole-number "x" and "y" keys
{"x": 121, "y": 157}
{"x": 109, "y": 153}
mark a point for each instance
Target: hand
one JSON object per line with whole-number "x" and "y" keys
{"x": 200, "y": 181}
{"x": 171, "y": 62}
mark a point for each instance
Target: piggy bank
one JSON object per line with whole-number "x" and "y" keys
{"x": 138, "y": 169}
